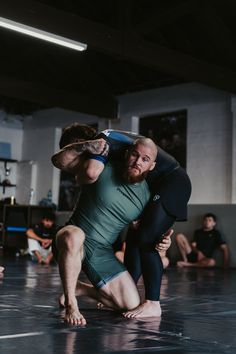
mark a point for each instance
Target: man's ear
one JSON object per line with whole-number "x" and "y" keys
{"x": 152, "y": 166}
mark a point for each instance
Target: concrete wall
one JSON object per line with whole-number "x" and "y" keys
{"x": 38, "y": 145}
{"x": 211, "y": 141}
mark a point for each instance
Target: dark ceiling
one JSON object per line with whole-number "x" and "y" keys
{"x": 132, "y": 46}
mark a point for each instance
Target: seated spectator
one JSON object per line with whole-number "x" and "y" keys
{"x": 1, "y": 271}
{"x": 205, "y": 241}
{"x": 40, "y": 239}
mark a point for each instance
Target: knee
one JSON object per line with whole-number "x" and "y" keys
{"x": 145, "y": 246}
{"x": 70, "y": 238}
{"x": 211, "y": 262}
{"x": 179, "y": 237}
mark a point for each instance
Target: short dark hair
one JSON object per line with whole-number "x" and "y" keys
{"x": 50, "y": 215}
{"x": 76, "y": 132}
{"x": 210, "y": 215}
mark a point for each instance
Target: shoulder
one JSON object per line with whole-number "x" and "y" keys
{"x": 37, "y": 228}
{"x": 217, "y": 233}
{"x": 198, "y": 231}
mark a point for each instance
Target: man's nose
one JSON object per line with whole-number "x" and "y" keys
{"x": 139, "y": 161}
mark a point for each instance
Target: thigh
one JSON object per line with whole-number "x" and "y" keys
{"x": 100, "y": 263}
{"x": 122, "y": 291}
{"x": 34, "y": 245}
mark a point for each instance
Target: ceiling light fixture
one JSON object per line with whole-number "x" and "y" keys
{"x": 37, "y": 33}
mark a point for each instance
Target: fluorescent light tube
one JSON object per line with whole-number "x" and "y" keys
{"x": 37, "y": 33}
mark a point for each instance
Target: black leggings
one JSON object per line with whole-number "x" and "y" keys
{"x": 140, "y": 255}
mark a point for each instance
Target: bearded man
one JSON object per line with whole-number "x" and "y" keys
{"x": 103, "y": 210}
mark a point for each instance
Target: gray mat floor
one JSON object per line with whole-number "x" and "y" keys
{"x": 199, "y": 316}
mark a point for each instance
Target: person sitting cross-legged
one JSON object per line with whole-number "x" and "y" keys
{"x": 40, "y": 239}
{"x": 205, "y": 241}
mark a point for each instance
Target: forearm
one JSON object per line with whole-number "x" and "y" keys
{"x": 31, "y": 234}
{"x": 71, "y": 157}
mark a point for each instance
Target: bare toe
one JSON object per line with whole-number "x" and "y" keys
{"x": 74, "y": 317}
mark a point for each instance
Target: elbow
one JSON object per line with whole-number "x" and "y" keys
{"x": 92, "y": 174}
{"x": 93, "y": 169}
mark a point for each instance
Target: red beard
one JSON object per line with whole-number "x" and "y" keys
{"x": 129, "y": 178}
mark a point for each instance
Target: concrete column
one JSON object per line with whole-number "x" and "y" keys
{"x": 233, "y": 110}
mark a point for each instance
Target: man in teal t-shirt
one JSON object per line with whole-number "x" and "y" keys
{"x": 104, "y": 208}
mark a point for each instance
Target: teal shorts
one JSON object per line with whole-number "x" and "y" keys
{"x": 100, "y": 263}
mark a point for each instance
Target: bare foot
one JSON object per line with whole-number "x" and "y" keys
{"x": 147, "y": 309}
{"x": 47, "y": 261}
{"x": 74, "y": 317}
{"x": 181, "y": 264}
{"x": 39, "y": 257}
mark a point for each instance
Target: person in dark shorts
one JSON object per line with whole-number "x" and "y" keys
{"x": 205, "y": 241}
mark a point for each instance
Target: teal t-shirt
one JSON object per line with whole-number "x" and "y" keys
{"x": 108, "y": 205}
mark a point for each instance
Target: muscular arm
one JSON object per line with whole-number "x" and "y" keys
{"x": 72, "y": 156}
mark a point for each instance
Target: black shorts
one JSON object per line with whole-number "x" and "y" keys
{"x": 192, "y": 257}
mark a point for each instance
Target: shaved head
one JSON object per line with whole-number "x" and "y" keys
{"x": 148, "y": 143}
